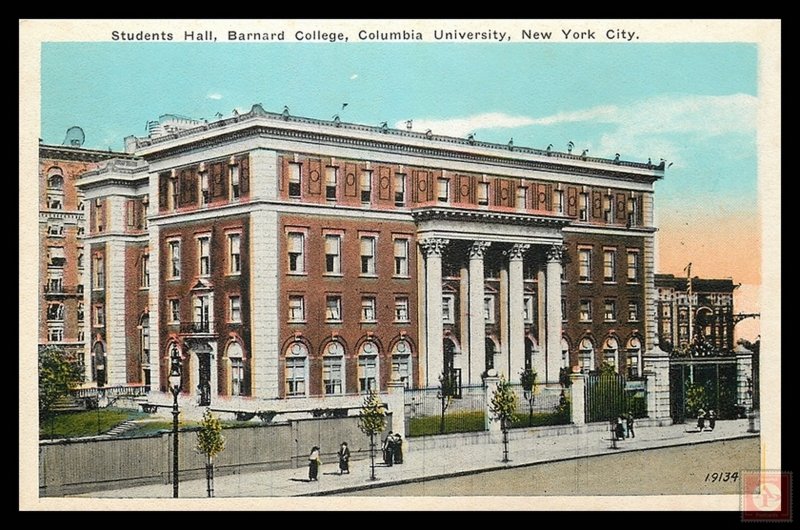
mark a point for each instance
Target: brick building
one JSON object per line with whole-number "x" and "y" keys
{"x": 291, "y": 257}
{"x": 710, "y": 301}
{"x": 62, "y": 226}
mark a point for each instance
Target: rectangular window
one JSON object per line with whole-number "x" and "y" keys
{"x": 399, "y": 189}
{"x": 330, "y": 183}
{"x": 56, "y": 257}
{"x": 633, "y": 211}
{"x": 235, "y": 305}
{"x": 145, "y": 270}
{"x": 401, "y": 369}
{"x": 401, "y": 257}
{"x": 586, "y": 311}
{"x": 522, "y": 197}
{"x": 633, "y": 266}
{"x": 237, "y": 376}
{"x": 365, "y": 183}
{"x": 332, "y": 375}
{"x": 529, "y": 309}
{"x": 583, "y": 213}
{"x": 174, "y": 259}
{"x": 296, "y": 376}
{"x": 202, "y": 314}
{"x": 609, "y": 265}
{"x": 443, "y": 187}
{"x": 234, "y": 174}
{"x": 448, "y": 309}
{"x": 55, "y": 334}
{"x": 205, "y": 194}
{"x": 367, "y": 373}
{"x": 99, "y": 272}
{"x": 368, "y": 309}
{"x": 368, "y": 255}
{"x": 333, "y": 308}
{"x": 173, "y": 194}
{"x": 234, "y": 253}
{"x": 204, "y": 255}
{"x": 558, "y": 201}
{"x": 563, "y": 309}
{"x": 483, "y": 193}
{"x": 585, "y": 264}
{"x": 297, "y": 312}
{"x": 633, "y": 311}
{"x": 294, "y": 180}
{"x": 610, "y": 310}
{"x": 609, "y": 209}
{"x": 80, "y": 312}
{"x": 145, "y": 208}
{"x": 488, "y": 309}
{"x": 401, "y": 309}
{"x": 99, "y": 315}
{"x": 333, "y": 256}
{"x": 296, "y": 247}
{"x": 174, "y": 311}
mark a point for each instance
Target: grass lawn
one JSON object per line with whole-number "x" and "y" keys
{"x": 85, "y": 423}
{"x": 154, "y": 427}
{"x": 540, "y": 419}
{"x": 470, "y": 421}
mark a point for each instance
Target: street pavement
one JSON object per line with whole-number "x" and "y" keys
{"x": 433, "y": 463}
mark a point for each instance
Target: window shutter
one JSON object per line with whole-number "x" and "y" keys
{"x": 314, "y": 176}
{"x": 384, "y": 183}
{"x": 350, "y": 180}
{"x": 572, "y": 201}
{"x": 163, "y": 190}
{"x": 597, "y": 204}
{"x": 622, "y": 207}
{"x": 244, "y": 174}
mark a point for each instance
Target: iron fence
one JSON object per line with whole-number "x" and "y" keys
{"x": 464, "y": 412}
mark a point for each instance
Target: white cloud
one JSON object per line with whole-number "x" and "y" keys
{"x": 214, "y": 95}
{"x": 464, "y": 126}
{"x": 354, "y": 76}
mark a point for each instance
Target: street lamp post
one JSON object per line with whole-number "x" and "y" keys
{"x": 175, "y": 388}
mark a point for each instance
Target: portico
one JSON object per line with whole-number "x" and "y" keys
{"x": 492, "y": 249}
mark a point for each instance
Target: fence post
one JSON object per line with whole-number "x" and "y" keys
{"x": 492, "y": 380}
{"x": 578, "y": 408}
{"x": 396, "y": 402}
{"x": 744, "y": 376}
{"x": 656, "y": 368}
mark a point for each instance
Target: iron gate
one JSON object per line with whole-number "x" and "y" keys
{"x": 707, "y": 384}
{"x": 610, "y": 395}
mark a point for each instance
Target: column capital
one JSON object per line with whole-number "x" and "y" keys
{"x": 555, "y": 253}
{"x": 433, "y": 246}
{"x": 478, "y": 248}
{"x": 517, "y": 250}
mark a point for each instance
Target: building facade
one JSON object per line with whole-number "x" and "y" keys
{"x": 695, "y": 310}
{"x": 64, "y": 259}
{"x": 288, "y": 257}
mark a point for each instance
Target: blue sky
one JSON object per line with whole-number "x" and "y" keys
{"x": 692, "y": 104}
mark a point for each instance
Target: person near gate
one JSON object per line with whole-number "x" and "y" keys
{"x": 629, "y": 425}
{"x": 398, "y": 449}
{"x": 388, "y": 449}
{"x": 701, "y": 420}
{"x": 314, "y": 462}
{"x": 344, "y": 459}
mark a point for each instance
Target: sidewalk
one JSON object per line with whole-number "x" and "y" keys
{"x": 433, "y": 463}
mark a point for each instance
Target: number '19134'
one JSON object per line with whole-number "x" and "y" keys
{"x": 722, "y": 476}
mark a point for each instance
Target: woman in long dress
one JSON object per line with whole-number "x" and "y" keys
{"x": 313, "y": 463}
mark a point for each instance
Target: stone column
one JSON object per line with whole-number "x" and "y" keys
{"x": 656, "y": 368}
{"x": 539, "y": 356}
{"x": 553, "y": 304}
{"x": 578, "y": 390}
{"x": 432, "y": 315}
{"x": 744, "y": 373}
{"x": 265, "y": 342}
{"x": 477, "y": 325}
{"x": 396, "y": 402}
{"x": 492, "y": 425}
{"x": 516, "y": 311}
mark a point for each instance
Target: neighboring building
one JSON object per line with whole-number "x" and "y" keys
{"x": 290, "y": 257}
{"x": 696, "y": 311}
{"x": 62, "y": 226}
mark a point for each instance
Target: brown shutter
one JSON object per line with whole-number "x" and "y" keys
{"x": 384, "y": 183}
{"x": 217, "y": 180}
{"x": 597, "y": 204}
{"x": 350, "y": 180}
{"x": 314, "y": 176}
{"x": 244, "y": 174}
{"x": 163, "y": 190}
{"x": 541, "y": 197}
{"x": 192, "y": 185}
{"x": 431, "y": 180}
{"x": 419, "y": 192}
{"x": 622, "y": 207}
{"x": 640, "y": 209}
{"x": 572, "y": 201}
{"x": 183, "y": 184}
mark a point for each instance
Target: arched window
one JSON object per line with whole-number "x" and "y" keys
{"x": 449, "y": 349}
{"x": 55, "y": 183}
{"x": 490, "y": 353}
{"x": 55, "y": 189}
{"x": 529, "y": 351}
{"x": 333, "y": 369}
{"x": 99, "y": 363}
{"x": 296, "y": 369}
{"x": 564, "y": 353}
{"x": 611, "y": 352}
{"x": 368, "y": 367}
{"x": 144, "y": 339}
{"x": 235, "y": 356}
{"x": 401, "y": 362}
{"x": 634, "y": 351}
{"x": 586, "y": 354}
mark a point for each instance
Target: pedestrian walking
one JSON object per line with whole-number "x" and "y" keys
{"x": 344, "y": 459}
{"x": 712, "y": 419}
{"x": 314, "y": 462}
{"x": 398, "y": 449}
{"x": 388, "y": 449}
{"x": 701, "y": 420}
{"x": 629, "y": 425}
{"x": 619, "y": 429}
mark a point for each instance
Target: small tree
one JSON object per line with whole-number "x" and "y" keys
{"x": 210, "y": 442}
{"x": 447, "y": 389}
{"x": 372, "y": 421}
{"x": 527, "y": 378}
{"x": 503, "y": 405}
{"x": 58, "y": 374}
